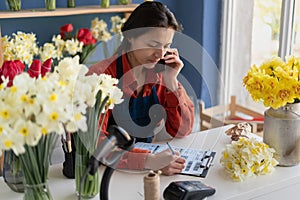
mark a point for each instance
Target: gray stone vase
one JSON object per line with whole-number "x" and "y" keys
{"x": 282, "y": 132}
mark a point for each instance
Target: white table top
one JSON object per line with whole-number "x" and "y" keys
{"x": 283, "y": 183}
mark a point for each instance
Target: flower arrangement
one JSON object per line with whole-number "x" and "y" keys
{"x": 247, "y": 157}
{"x": 37, "y": 106}
{"x": 83, "y": 42}
{"x": 86, "y": 141}
{"x": 35, "y": 109}
{"x": 20, "y": 46}
{"x": 274, "y": 82}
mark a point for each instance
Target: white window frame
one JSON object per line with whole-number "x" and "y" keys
{"x": 233, "y": 48}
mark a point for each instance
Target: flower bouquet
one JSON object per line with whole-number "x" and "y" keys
{"x": 35, "y": 109}
{"x": 247, "y": 157}
{"x": 20, "y": 46}
{"x": 274, "y": 82}
{"x": 86, "y": 141}
{"x": 26, "y": 127}
{"x": 83, "y": 42}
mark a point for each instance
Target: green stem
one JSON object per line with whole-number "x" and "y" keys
{"x": 105, "y": 3}
{"x": 50, "y": 4}
{"x": 35, "y": 160}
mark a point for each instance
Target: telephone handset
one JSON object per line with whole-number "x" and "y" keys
{"x": 161, "y": 65}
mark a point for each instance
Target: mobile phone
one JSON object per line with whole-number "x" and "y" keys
{"x": 161, "y": 65}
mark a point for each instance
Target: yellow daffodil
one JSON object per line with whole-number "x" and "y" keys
{"x": 274, "y": 82}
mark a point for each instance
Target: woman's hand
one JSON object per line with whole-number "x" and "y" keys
{"x": 173, "y": 67}
{"x": 174, "y": 167}
{"x": 165, "y": 161}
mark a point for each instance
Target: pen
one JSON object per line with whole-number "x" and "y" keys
{"x": 170, "y": 147}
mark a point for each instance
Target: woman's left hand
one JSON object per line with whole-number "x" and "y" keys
{"x": 173, "y": 67}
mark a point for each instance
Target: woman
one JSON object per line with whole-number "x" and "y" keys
{"x": 151, "y": 99}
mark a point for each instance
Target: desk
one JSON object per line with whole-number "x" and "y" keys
{"x": 283, "y": 183}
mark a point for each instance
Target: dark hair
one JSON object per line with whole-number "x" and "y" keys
{"x": 149, "y": 14}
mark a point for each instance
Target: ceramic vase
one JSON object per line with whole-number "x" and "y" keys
{"x": 282, "y": 132}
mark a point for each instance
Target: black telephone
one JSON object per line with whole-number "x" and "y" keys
{"x": 161, "y": 65}
{"x": 187, "y": 190}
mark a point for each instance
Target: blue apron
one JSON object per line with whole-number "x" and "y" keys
{"x": 133, "y": 113}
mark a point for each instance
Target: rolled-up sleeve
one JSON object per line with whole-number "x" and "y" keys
{"x": 180, "y": 112}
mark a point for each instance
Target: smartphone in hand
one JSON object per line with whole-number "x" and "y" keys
{"x": 161, "y": 65}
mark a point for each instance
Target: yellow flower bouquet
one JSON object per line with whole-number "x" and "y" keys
{"x": 275, "y": 82}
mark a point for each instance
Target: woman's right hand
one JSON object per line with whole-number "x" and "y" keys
{"x": 165, "y": 161}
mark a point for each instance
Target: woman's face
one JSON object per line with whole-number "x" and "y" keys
{"x": 150, "y": 47}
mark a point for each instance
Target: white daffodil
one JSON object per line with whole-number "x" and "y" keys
{"x": 117, "y": 23}
{"x": 47, "y": 51}
{"x": 246, "y": 158}
{"x": 21, "y": 46}
{"x": 73, "y": 46}
{"x": 115, "y": 97}
{"x": 34, "y": 107}
{"x": 78, "y": 123}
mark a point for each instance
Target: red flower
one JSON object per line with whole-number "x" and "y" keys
{"x": 10, "y": 69}
{"x": 66, "y": 28}
{"x": 85, "y": 35}
{"x": 46, "y": 66}
{"x": 35, "y": 68}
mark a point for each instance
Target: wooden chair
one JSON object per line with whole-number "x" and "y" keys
{"x": 231, "y": 113}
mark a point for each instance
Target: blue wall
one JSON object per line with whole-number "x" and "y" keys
{"x": 211, "y": 43}
{"x": 199, "y": 46}
{"x": 201, "y": 21}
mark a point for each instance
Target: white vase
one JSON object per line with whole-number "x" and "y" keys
{"x": 282, "y": 132}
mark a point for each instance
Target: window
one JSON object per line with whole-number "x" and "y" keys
{"x": 252, "y": 31}
{"x": 296, "y": 32}
{"x": 265, "y": 30}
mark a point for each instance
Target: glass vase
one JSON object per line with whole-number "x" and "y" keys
{"x": 105, "y": 3}
{"x": 91, "y": 186}
{"x": 71, "y": 4}
{"x": 35, "y": 162}
{"x": 124, "y": 2}
{"x": 85, "y": 145}
{"x": 12, "y": 171}
{"x": 37, "y": 192}
{"x": 50, "y": 5}
{"x": 13, "y": 5}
